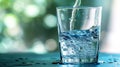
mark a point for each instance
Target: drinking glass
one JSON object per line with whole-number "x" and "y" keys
{"x": 79, "y": 33}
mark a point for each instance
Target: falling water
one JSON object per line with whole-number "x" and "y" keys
{"x": 72, "y": 19}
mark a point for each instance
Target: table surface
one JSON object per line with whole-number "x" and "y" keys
{"x": 52, "y": 60}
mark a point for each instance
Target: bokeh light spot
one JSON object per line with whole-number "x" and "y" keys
{"x": 41, "y": 2}
{"x": 10, "y": 20}
{"x": 38, "y": 47}
{"x": 51, "y": 45}
{"x": 2, "y": 14}
{"x": 9, "y": 45}
{"x": 19, "y": 5}
{"x": 50, "y": 20}
{"x": 14, "y": 32}
{"x": 32, "y": 11}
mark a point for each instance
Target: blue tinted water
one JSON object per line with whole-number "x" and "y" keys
{"x": 79, "y": 43}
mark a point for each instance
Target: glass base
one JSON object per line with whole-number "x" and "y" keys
{"x": 78, "y": 61}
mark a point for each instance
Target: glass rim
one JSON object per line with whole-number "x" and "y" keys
{"x": 80, "y": 7}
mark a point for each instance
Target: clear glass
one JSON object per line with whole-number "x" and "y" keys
{"x": 79, "y": 34}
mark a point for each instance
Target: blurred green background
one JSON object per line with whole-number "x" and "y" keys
{"x": 31, "y": 25}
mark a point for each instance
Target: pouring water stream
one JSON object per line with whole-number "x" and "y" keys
{"x": 77, "y": 4}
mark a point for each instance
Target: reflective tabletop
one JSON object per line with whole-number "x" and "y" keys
{"x": 52, "y": 60}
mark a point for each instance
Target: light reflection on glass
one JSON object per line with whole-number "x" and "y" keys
{"x": 79, "y": 65}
